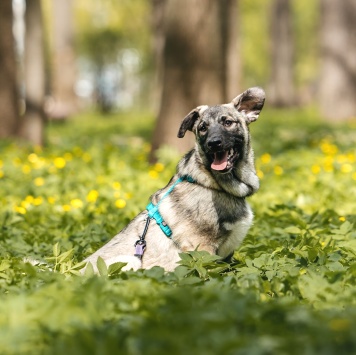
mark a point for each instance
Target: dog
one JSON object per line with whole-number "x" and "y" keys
{"x": 204, "y": 206}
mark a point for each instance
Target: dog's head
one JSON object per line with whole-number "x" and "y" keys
{"x": 222, "y": 131}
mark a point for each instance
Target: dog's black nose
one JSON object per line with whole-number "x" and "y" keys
{"x": 214, "y": 143}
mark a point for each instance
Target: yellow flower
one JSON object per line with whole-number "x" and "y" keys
{"x": 116, "y": 185}
{"x": 315, "y": 169}
{"x": 350, "y": 157}
{"x": 278, "y": 170}
{"x": 328, "y": 148}
{"x": 51, "y": 200}
{"x": 153, "y": 174}
{"x": 346, "y": 168}
{"x": 20, "y": 209}
{"x": 66, "y": 208}
{"x": 159, "y": 167}
{"x": 260, "y": 173}
{"x": 25, "y": 204}
{"x": 341, "y": 158}
{"x": 266, "y": 158}
{"x": 120, "y": 203}
{"x": 29, "y": 199}
{"x": 39, "y": 181}
{"x": 32, "y": 158}
{"x": 76, "y": 203}
{"x": 26, "y": 169}
{"x": 342, "y": 219}
{"x": 92, "y": 196}
{"x": 329, "y": 168}
{"x": 127, "y": 195}
{"x": 59, "y": 162}
{"x": 37, "y": 201}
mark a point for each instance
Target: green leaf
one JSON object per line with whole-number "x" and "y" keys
{"x": 312, "y": 254}
{"x": 181, "y": 271}
{"x": 102, "y": 268}
{"x": 292, "y": 230}
{"x": 335, "y": 266}
{"x": 89, "y": 270}
{"x": 185, "y": 256}
{"x": 115, "y": 268}
{"x": 192, "y": 280}
{"x": 155, "y": 273}
{"x": 65, "y": 256}
{"x": 270, "y": 274}
{"x": 56, "y": 249}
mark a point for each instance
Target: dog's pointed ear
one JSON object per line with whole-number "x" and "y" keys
{"x": 189, "y": 120}
{"x": 250, "y": 103}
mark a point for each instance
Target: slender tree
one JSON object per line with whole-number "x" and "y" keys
{"x": 34, "y": 76}
{"x": 64, "y": 71}
{"x": 9, "y": 115}
{"x": 281, "y": 87}
{"x": 200, "y": 62}
{"x": 337, "y": 85}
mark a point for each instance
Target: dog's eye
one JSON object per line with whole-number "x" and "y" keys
{"x": 202, "y": 127}
{"x": 228, "y": 123}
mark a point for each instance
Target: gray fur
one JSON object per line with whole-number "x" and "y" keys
{"x": 211, "y": 214}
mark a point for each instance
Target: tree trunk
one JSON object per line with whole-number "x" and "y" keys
{"x": 200, "y": 63}
{"x": 9, "y": 115}
{"x": 281, "y": 87}
{"x": 64, "y": 71}
{"x": 158, "y": 40}
{"x": 34, "y": 77}
{"x": 337, "y": 85}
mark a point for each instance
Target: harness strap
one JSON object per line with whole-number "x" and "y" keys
{"x": 153, "y": 213}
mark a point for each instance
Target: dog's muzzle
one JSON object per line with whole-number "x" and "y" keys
{"x": 222, "y": 159}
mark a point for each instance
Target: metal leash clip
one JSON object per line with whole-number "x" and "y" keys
{"x": 140, "y": 244}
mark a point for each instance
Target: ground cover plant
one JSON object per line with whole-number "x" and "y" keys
{"x": 291, "y": 286}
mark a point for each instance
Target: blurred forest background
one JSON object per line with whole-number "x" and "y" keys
{"x": 61, "y": 57}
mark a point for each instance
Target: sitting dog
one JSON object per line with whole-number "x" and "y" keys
{"x": 204, "y": 205}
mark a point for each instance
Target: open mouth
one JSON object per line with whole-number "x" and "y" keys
{"x": 223, "y": 161}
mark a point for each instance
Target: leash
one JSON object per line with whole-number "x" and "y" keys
{"x": 153, "y": 213}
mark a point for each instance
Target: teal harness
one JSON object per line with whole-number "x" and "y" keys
{"x": 153, "y": 213}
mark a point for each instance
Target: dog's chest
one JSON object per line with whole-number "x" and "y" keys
{"x": 206, "y": 212}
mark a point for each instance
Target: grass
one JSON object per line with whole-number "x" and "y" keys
{"x": 290, "y": 290}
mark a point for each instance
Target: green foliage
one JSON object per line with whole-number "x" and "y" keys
{"x": 290, "y": 288}
{"x": 255, "y": 41}
{"x": 104, "y": 28}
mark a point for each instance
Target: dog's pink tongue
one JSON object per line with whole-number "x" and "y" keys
{"x": 220, "y": 161}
